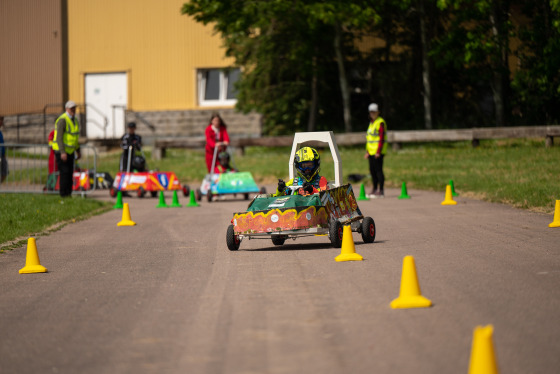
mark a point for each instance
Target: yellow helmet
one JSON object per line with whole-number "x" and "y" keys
{"x": 307, "y": 162}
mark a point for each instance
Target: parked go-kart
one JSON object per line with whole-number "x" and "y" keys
{"x": 227, "y": 183}
{"x": 142, "y": 182}
{"x": 292, "y": 216}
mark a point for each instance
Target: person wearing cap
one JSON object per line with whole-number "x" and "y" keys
{"x": 376, "y": 148}
{"x": 130, "y": 139}
{"x": 66, "y": 146}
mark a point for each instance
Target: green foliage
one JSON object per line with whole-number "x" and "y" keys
{"x": 283, "y": 45}
{"x": 28, "y": 214}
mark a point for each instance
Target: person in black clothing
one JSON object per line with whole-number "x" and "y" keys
{"x": 134, "y": 140}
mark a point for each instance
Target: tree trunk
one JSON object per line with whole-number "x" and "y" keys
{"x": 313, "y": 107}
{"x": 500, "y": 72}
{"x": 345, "y": 90}
{"x": 425, "y": 68}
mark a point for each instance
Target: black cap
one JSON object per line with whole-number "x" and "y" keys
{"x": 131, "y": 124}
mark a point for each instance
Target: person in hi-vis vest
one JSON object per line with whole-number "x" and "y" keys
{"x": 66, "y": 147}
{"x": 376, "y": 148}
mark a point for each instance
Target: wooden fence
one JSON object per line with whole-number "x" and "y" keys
{"x": 395, "y": 138}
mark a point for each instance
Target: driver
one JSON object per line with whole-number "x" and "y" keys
{"x": 308, "y": 163}
{"x": 134, "y": 140}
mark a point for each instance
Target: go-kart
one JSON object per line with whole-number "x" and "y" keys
{"x": 278, "y": 218}
{"x": 141, "y": 182}
{"x": 228, "y": 183}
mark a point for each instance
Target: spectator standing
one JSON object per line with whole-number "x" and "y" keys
{"x": 216, "y": 136}
{"x": 376, "y": 148}
{"x": 66, "y": 146}
{"x": 131, "y": 139}
{"x": 3, "y": 160}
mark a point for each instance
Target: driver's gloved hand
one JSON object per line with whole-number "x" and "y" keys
{"x": 281, "y": 185}
{"x": 308, "y": 187}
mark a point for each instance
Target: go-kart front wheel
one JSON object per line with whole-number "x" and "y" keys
{"x": 335, "y": 233}
{"x": 368, "y": 230}
{"x": 232, "y": 240}
{"x": 278, "y": 240}
{"x": 186, "y": 190}
{"x": 153, "y": 193}
{"x": 198, "y": 194}
{"x": 140, "y": 192}
{"x": 112, "y": 192}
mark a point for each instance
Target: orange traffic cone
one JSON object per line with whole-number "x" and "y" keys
{"x": 348, "y": 249}
{"x": 410, "y": 295}
{"x": 126, "y": 221}
{"x": 32, "y": 263}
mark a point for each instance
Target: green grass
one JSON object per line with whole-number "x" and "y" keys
{"x": 522, "y": 173}
{"x": 519, "y": 172}
{"x": 24, "y": 215}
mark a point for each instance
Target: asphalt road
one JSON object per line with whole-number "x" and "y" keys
{"x": 166, "y": 296}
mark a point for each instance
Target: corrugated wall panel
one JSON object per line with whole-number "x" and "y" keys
{"x": 150, "y": 39}
{"x": 30, "y": 55}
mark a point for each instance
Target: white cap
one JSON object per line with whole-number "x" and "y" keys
{"x": 70, "y": 104}
{"x": 373, "y": 107}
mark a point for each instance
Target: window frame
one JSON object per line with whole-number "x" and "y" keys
{"x": 223, "y": 85}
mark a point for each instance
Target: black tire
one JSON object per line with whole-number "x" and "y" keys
{"x": 246, "y": 196}
{"x": 153, "y": 193}
{"x": 198, "y": 194}
{"x": 263, "y": 190}
{"x": 140, "y": 192}
{"x": 112, "y": 192}
{"x": 335, "y": 233}
{"x": 232, "y": 240}
{"x": 209, "y": 196}
{"x": 186, "y": 190}
{"x": 278, "y": 240}
{"x": 368, "y": 230}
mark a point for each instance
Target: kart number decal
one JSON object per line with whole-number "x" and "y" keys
{"x": 274, "y": 218}
{"x": 308, "y": 216}
{"x": 278, "y": 202}
{"x": 137, "y": 179}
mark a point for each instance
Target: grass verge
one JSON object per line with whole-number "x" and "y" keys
{"x": 519, "y": 172}
{"x": 25, "y": 215}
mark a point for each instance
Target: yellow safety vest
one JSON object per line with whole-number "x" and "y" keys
{"x": 71, "y": 134}
{"x": 373, "y": 138}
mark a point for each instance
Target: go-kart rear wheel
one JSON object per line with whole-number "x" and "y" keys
{"x": 140, "y": 192}
{"x": 186, "y": 190}
{"x": 153, "y": 193}
{"x": 368, "y": 230}
{"x": 209, "y": 196}
{"x": 246, "y": 196}
{"x": 232, "y": 240}
{"x": 335, "y": 233}
{"x": 112, "y": 192}
{"x": 278, "y": 239}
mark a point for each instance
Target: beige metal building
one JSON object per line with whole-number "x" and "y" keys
{"x": 121, "y": 60}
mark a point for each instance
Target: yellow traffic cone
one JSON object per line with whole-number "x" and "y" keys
{"x": 448, "y": 197}
{"x": 348, "y": 250}
{"x": 410, "y": 296}
{"x": 483, "y": 359}
{"x": 556, "y": 220}
{"x": 126, "y": 221}
{"x": 32, "y": 264}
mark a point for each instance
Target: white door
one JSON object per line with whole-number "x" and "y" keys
{"x": 106, "y": 99}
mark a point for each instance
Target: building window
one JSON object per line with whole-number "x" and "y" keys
{"x": 216, "y": 87}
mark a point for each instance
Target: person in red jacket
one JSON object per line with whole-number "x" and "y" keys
{"x": 216, "y": 136}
